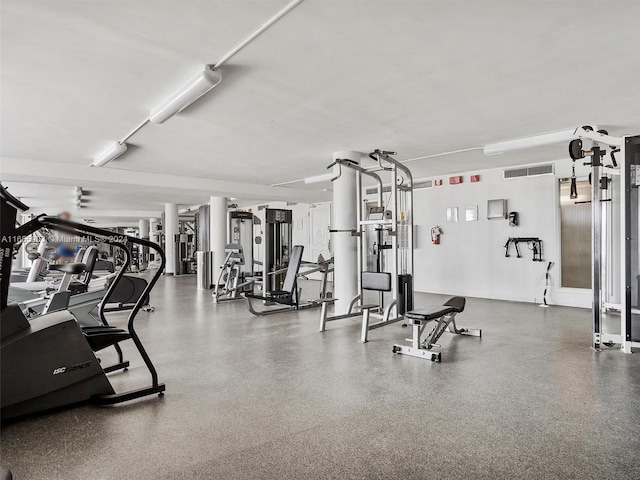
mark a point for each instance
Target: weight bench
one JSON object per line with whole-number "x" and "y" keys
{"x": 444, "y": 318}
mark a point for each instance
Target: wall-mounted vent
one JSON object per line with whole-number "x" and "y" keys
{"x": 541, "y": 170}
{"x": 515, "y": 173}
{"x": 262, "y": 207}
{"x": 291, "y": 204}
{"x": 425, "y": 184}
{"x": 529, "y": 171}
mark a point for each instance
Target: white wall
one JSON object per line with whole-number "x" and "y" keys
{"x": 301, "y": 235}
{"x": 470, "y": 260}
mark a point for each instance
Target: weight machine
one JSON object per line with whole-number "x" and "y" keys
{"x": 237, "y": 273}
{"x": 288, "y": 297}
{"x": 277, "y": 248}
{"x": 388, "y": 229}
{"x": 615, "y": 232}
{"x": 232, "y": 281}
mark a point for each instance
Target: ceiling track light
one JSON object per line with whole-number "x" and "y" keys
{"x": 110, "y": 153}
{"x": 325, "y": 177}
{"x": 530, "y": 142}
{"x": 189, "y": 92}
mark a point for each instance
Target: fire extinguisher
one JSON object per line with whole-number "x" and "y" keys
{"x": 435, "y": 235}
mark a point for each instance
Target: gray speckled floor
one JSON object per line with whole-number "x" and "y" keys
{"x": 267, "y": 398}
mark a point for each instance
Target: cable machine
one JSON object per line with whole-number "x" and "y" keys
{"x": 237, "y": 273}
{"x": 277, "y": 248}
{"x": 614, "y": 233}
{"x": 385, "y": 245}
{"x": 241, "y": 232}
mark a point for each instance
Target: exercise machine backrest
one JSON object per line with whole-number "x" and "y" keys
{"x": 295, "y": 260}
{"x": 80, "y": 255}
{"x": 89, "y": 259}
{"x": 377, "y": 281}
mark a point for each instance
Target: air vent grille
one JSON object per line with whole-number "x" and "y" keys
{"x": 425, "y": 184}
{"x": 541, "y": 170}
{"x": 515, "y": 173}
{"x": 374, "y": 190}
{"x": 529, "y": 171}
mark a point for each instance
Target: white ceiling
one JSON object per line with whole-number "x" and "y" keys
{"x": 101, "y": 202}
{"x": 418, "y": 77}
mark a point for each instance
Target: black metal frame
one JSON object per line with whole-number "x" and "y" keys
{"x": 106, "y": 236}
{"x": 283, "y": 297}
{"x": 10, "y": 234}
{"x": 632, "y": 158}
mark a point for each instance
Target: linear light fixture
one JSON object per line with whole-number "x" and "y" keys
{"x": 530, "y": 142}
{"x": 111, "y": 153}
{"x": 189, "y": 92}
{"x": 325, "y": 177}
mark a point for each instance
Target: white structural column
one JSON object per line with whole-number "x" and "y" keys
{"x": 344, "y": 218}
{"x": 170, "y": 231}
{"x": 143, "y": 233}
{"x": 218, "y": 230}
{"x": 153, "y": 230}
{"x": 143, "y": 228}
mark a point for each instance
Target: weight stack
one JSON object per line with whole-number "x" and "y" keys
{"x": 405, "y": 293}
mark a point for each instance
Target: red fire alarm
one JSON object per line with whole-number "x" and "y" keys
{"x": 475, "y": 178}
{"x": 455, "y": 180}
{"x": 437, "y": 182}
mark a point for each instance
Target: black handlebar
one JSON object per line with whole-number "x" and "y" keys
{"x": 7, "y": 197}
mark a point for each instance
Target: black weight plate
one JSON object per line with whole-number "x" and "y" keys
{"x": 575, "y": 149}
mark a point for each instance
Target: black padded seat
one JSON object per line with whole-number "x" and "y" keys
{"x": 72, "y": 268}
{"x": 433, "y": 312}
{"x": 457, "y": 303}
{"x": 104, "y": 265}
{"x": 101, "y": 329}
{"x": 103, "y": 337}
{"x": 430, "y": 312}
